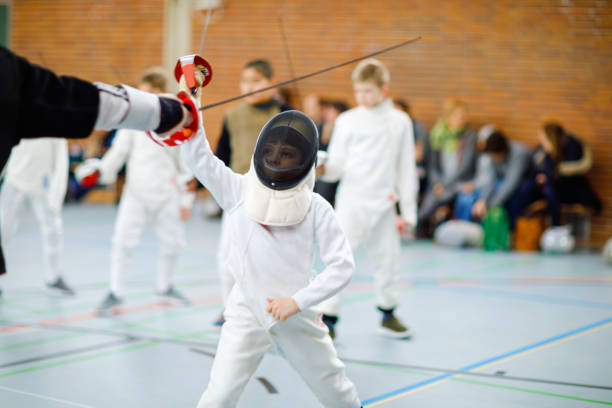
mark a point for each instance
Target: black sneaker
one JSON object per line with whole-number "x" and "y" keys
{"x": 59, "y": 287}
{"x": 173, "y": 294}
{"x": 330, "y": 321}
{"x": 109, "y": 302}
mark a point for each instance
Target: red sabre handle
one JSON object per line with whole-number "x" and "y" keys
{"x": 187, "y": 65}
{"x": 182, "y": 134}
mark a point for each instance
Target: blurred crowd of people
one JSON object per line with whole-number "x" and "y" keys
{"x": 464, "y": 170}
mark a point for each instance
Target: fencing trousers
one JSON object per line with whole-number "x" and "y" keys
{"x": 12, "y": 202}
{"x": 303, "y": 340}
{"x": 133, "y": 215}
{"x": 381, "y": 241}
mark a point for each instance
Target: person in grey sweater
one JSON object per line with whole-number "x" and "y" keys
{"x": 451, "y": 160}
{"x": 509, "y": 161}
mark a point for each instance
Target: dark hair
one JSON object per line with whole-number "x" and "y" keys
{"x": 262, "y": 66}
{"x": 555, "y": 135}
{"x": 403, "y": 104}
{"x": 497, "y": 143}
{"x": 337, "y": 104}
{"x": 340, "y": 106}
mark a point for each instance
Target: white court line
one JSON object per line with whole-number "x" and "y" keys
{"x": 74, "y": 404}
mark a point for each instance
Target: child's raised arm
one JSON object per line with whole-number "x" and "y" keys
{"x": 220, "y": 180}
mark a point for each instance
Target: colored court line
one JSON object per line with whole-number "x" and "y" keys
{"x": 78, "y": 306}
{"x": 45, "y": 340}
{"x": 531, "y": 391}
{"x": 108, "y": 331}
{"x": 520, "y": 352}
{"x": 474, "y": 373}
{"x": 494, "y": 385}
{"x": 68, "y": 352}
{"x": 526, "y": 296}
{"x": 79, "y": 359}
{"x": 119, "y": 311}
{"x": 45, "y": 397}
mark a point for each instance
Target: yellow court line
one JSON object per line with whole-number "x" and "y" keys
{"x": 542, "y": 347}
{"x": 402, "y": 395}
{"x": 521, "y": 354}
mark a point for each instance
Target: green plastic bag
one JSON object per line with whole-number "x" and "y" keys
{"x": 496, "y": 230}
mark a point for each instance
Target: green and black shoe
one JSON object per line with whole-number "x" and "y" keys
{"x": 391, "y": 326}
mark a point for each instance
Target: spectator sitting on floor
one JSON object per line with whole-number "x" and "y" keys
{"x": 451, "y": 160}
{"x": 559, "y": 166}
{"x": 500, "y": 172}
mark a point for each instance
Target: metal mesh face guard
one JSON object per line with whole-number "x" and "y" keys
{"x": 286, "y": 150}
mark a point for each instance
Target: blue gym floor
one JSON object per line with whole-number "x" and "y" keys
{"x": 491, "y": 329}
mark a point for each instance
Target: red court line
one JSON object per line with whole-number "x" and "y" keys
{"x": 530, "y": 280}
{"x": 116, "y": 312}
{"x": 12, "y": 329}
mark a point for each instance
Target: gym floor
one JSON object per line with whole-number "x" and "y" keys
{"x": 490, "y": 329}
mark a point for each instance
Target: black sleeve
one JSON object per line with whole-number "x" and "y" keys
{"x": 224, "y": 149}
{"x": 573, "y": 149}
{"x": 34, "y": 102}
{"x": 37, "y": 103}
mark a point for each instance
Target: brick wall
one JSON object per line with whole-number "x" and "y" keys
{"x": 515, "y": 63}
{"x": 102, "y": 40}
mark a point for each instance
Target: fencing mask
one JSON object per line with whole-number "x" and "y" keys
{"x": 279, "y": 184}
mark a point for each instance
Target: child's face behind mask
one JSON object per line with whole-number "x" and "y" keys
{"x": 251, "y": 80}
{"x": 281, "y": 155}
{"x": 368, "y": 94}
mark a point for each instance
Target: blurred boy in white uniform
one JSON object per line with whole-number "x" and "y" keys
{"x": 37, "y": 174}
{"x": 155, "y": 193}
{"x": 372, "y": 154}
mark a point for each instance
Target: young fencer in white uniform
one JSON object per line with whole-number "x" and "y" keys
{"x": 372, "y": 153}
{"x": 275, "y": 221}
{"x": 155, "y": 193}
{"x": 37, "y": 174}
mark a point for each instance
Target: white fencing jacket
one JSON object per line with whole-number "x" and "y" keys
{"x": 154, "y": 173}
{"x": 372, "y": 153}
{"x": 38, "y": 167}
{"x": 273, "y": 262}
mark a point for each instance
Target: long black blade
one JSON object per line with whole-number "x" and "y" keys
{"x": 290, "y": 81}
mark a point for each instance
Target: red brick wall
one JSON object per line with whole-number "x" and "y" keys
{"x": 515, "y": 63}
{"x": 102, "y": 40}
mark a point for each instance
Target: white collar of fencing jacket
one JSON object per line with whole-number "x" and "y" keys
{"x": 277, "y": 207}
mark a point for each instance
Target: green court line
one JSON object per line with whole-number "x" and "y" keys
{"x": 488, "y": 384}
{"x": 359, "y": 298}
{"x": 83, "y": 305}
{"x": 119, "y": 325}
{"x": 532, "y": 391}
{"x": 92, "y": 356}
{"x": 79, "y": 359}
{"x": 40, "y": 341}
{"x": 494, "y": 267}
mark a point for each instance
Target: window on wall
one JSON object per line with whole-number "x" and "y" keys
{"x": 4, "y": 24}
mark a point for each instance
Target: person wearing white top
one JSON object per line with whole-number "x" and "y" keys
{"x": 155, "y": 192}
{"x": 37, "y": 174}
{"x": 372, "y": 154}
{"x": 275, "y": 222}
